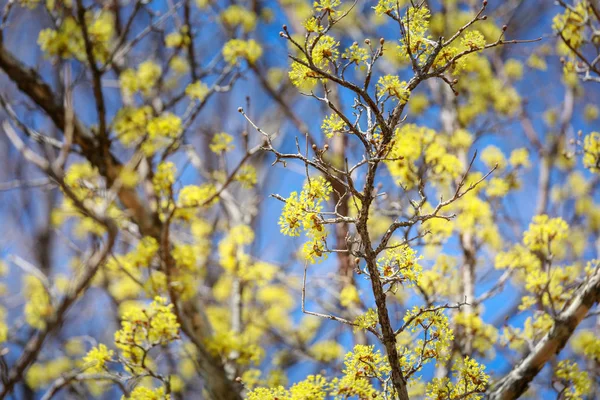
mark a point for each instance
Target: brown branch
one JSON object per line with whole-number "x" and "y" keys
{"x": 30, "y": 83}
{"x": 516, "y": 382}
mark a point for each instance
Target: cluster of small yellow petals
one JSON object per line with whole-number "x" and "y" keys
{"x": 591, "y": 112}
{"x": 433, "y": 344}
{"x": 534, "y": 329}
{"x": 324, "y": 51}
{"x": 302, "y": 213}
{"x": 142, "y": 80}
{"x": 497, "y": 187}
{"x": 224, "y": 343}
{"x": 144, "y": 393}
{"x": 470, "y": 381}
{"x": 472, "y": 40}
{"x": 441, "y": 280}
{"x": 237, "y": 49}
{"x": 577, "y": 383}
{"x": 197, "y": 91}
{"x": 513, "y": 69}
{"x": 179, "y": 38}
{"x": 399, "y": 264}
{"x": 326, "y": 351}
{"x": 3, "y": 326}
{"x": 96, "y": 358}
{"x": 587, "y": 344}
{"x": 221, "y": 143}
{"x": 164, "y": 178}
{"x": 68, "y": 40}
{"x": 232, "y": 256}
{"x": 544, "y": 232}
{"x": 235, "y": 15}
{"x": 144, "y": 328}
{"x": 326, "y": 5}
{"x": 367, "y": 320}
{"x": 153, "y": 134}
{"x": 246, "y": 176}
{"x": 349, "y": 296}
{"x": 355, "y": 54}
{"x": 387, "y": 6}
{"x": 519, "y": 158}
{"x": 313, "y": 387}
{"x": 130, "y": 124}
{"x": 302, "y": 76}
{"x": 411, "y": 146}
{"x": 42, "y": 374}
{"x": 333, "y": 124}
{"x": 492, "y": 156}
{"x": 39, "y": 304}
{"x": 461, "y": 139}
{"x": 572, "y": 23}
{"x": 191, "y": 197}
{"x": 179, "y": 65}
{"x": 360, "y": 366}
{"x": 483, "y": 335}
{"x": 518, "y": 257}
{"x": 591, "y": 152}
{"x": 313, "y": 24}
{"x": 392, "y": 86}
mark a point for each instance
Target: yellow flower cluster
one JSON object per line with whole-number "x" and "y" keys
{"x": 470, "y": 382}
{"x": 231, "y": 248}
{"x": 326, "y": 351}
{"x": 246, "y": 176}
{"x": 586, "y": 343}
{"x": 399, "y": 264}
{"x": 441, "y": 281}
{"x": 144, "y": 393}
{"x": 221, "y": 143}
{"x": 355, "y": 54}
{"x": 544, "y": 233}
{"x": 145, "y": 328}
{"x": 68, "y": 40}
{"x": 413, "y": 145}
{"x": 130, "y": 124}
{"x": 333, "y": 124}
{"x": 178, "y": 39}
{"x": 435, "y": 337}
{"x": 235, "y": 15}
{"x": 392, "y": 86}
{"x": 534, "y": 329}
{"x": 164, "y": 178}
{"x": 324, "y": 51}
{"x": 367, "y": 320}
{"x": 572, "y": 23}
{"x": 361, "y": 366}
{"x": 313, "y": 387}
{"x": 197, "y": 91}
{"x": 302, "y": 213}
{"x": 577, "y": 383}
{"x": 42, "y": 374}
{"x": 349, "y": 296}
{"x": 192, "y": 197}
{"x": 96, "y": 358}
{"x": 237, "y": 49}
{"x": 483, "y": 335}
{"x": 591, "y": 152}
{"x": 143, "y": 80}
{"x": 39, "y": 304}
{"x": 244, "y": 345}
